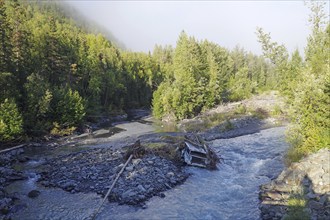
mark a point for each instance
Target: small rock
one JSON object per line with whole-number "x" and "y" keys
{"x": 129, "y": 168}
{"x": 150, "y": 162}
{"x": 168, "y": 186}
{"x": 169, "y": 174}
{"x": 36, "y": 145}
{"x": 141, "y": 197}
{"x": 161, "y": 195}
{"x": 311, "y": 195}
{"x": 325, "y": 198}
{"x": 141, "y": 188}
{"x": 22, "y": 159}
{"x": 18, "y": 207}
{"x": 136, "y": 161}
{"x": 315, "y": 205}
{"x": 4, "y": 210}
{"x": 69, "y": 185}
{"x": 128, "y": 194}
{"x": 45, "y": 183}
{"x": 33, "y": 193}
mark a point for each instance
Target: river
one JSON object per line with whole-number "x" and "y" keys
{"x": 231, "y": 192}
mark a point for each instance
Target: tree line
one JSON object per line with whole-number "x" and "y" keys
{"x": 56, "y": 74}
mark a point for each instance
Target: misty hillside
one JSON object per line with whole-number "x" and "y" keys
{"x": 68, "y": 11}
{"x": 86, "y": 24}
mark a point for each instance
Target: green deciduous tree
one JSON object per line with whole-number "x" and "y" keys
{"x": 311, "y": 97}
{"x": 10, "y": 121}
{"x": 69, "y": 108}
{"x": 278, "y": 56}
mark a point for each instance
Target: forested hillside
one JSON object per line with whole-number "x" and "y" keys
{"x": 56, "y": 74}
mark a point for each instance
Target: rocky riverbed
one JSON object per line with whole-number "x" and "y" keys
{"x": 9, "y": 202}
{"x": 89, "y": 170}
{"x": 95, "y": 170}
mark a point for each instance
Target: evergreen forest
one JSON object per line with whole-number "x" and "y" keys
{"x": 57, "y": 73}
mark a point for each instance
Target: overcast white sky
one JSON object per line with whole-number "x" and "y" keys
{"x": 142, "y": 24}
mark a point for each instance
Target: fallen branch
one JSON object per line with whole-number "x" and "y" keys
{"x": 113, "y": 184}
{"x": 12, "y": 148}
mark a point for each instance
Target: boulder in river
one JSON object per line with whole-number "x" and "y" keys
{"x": 33, "y": 193}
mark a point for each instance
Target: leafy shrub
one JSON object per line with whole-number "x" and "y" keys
{"x": 240, "y": 109}
{"x": 228, "y": 126}
{"x": 10, "y": 121}
{"x": 70, "y": 109}
{"x": 260, "y": 113}
{"x": 60, "y": 131}
{"x": 277, "y": 111}
{"x": 311, "y": 114}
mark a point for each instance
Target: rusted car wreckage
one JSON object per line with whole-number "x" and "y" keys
{"x": 196, "y": 152}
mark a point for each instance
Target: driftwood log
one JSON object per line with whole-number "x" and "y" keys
{"x": 12, "y": 148}
{"x": 113, "y": 184}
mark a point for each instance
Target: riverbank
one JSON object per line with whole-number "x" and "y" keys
{"x": 301, "y": 191}
{"x": 205, "y": 194}
{"x": 88, "y": 163}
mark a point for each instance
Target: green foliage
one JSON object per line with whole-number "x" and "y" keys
{"x": 310, "y": 110}
{"x": 59, "y": 72}
{"x": 240, "y": 109}
{"x": 240, "y": 85}
{"x": 58, "y": 130}
{"x": 260, "y": 113}
{"x": 10, "y": 121}
{"x": 311, "y": 113}
{"x": 228, "y": 126}
{"x": 276, "y": 111}
{"x": 7, "y": 86}
{"x": 204, "y": 75}
{"x": 306, "y": 85}
{"x": 69, "y": 110}
{"x": 278, "y": 56}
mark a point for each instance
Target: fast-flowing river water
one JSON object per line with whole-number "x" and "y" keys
{"x": 231, "y": 192}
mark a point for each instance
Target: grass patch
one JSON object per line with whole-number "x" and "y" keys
{"x": 211, "y": 121}
{"x": 227, "y": 126}
{"x": 294, "y": 154}
{"x": 208, "y": 121}
{"x": 260, "y": 113}
{"x": 276, "y": 111}
{"x": 240, "y": 109}
{"x": 172, "y": 139}
{"x": 164, "y": 150}
{"x": 155, "y": 145}
{"x": 302, "y": 146}
{"x": 297, "y": 208}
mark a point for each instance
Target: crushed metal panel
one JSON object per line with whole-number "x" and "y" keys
{"x": 195, "y": 148}
{"x": 198, "y": 153}
{"x": 194, "y": 154}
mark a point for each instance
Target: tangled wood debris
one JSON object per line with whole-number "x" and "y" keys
{"x": 193, "y": 151}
